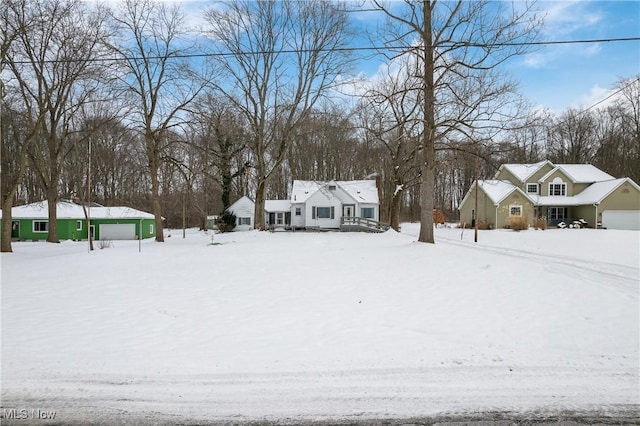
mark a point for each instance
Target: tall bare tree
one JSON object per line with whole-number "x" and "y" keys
{"x": 53, "y": 73}
{"x": 459, "y": 46}
{"x": 280, "y": 59}
{"x": 159, "y": 82}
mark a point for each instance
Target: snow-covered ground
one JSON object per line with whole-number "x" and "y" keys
{"x": 321, "y": 326}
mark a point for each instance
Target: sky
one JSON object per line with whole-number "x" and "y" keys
{"x": 553, "y": 77}
{"x": 557, "y": 77}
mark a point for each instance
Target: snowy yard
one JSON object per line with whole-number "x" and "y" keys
{"x": 323, "y": 325}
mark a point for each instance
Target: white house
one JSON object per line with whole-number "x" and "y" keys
{"x": 244, "y": 209}
{"x": 277, "y": 214}
{"x": 326, "y": 205}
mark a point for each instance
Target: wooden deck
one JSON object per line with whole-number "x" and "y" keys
{"x": 361, "y": 224}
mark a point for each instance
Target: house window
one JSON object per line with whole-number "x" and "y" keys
{"x": 78, "y": 225}
{"x": 515, "y": 210}
{"x": 332, "y": 187}
{"x": 532, "y": 188}
{"x": 367, "y": 212}
{"x": 244, "y": 221}
{"x": 559, "y": 189}
{"x": 151, "y": 229}
{"x": 40, "y": 226}
{"x": 323, "y": 212}
{"x": 556, "y": 213}
{"x": 298, "y": 211}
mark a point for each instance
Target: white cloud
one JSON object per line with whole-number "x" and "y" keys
{"x": 597, "y": 97}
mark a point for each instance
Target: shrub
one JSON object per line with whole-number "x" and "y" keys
{"x": 226, "y": 222}
{"x": 540, "y": 223}
{"x": 518, "y": 223}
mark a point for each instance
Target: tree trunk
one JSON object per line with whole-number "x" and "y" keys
{"x": 52, "y": 201}
{"x": 427, "y": 184}
{"x": 394, "y": 211}
{"x": 259, "y": 211}
{"x": 157, "y": 207}
{"x": 7, "y": 222}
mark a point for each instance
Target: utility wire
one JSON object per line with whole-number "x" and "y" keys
{"x": 342, "y": 49}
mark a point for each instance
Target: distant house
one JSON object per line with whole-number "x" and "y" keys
{"x": 334, "y": 204}
{"x": 559, "y": 193}
{"x": 31, "y": 222}
{"x": 277, "y": 214}
{"x": 244, "y": 210}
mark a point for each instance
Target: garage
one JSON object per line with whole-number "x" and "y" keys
{"x": 121, "y": 231}
{"x": 621, "y": 219}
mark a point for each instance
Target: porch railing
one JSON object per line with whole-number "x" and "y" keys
{"x": 362, "y": 224}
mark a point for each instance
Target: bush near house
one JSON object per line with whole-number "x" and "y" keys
{"x": 226, "y": 222}
{"x": 518, "y": 223}
{"x": 540, "y": 223}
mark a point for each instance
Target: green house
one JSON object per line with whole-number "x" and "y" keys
{"x": 30, "y": 222}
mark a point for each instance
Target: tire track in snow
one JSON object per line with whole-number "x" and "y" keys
{"x": 622, "y": 278}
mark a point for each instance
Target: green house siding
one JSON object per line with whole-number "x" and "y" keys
{"x": 68, "y": 228}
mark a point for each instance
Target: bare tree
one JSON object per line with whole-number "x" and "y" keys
{"x": 53, "y": 73}
{"x": 158, "y": 81}
{"x": 459, "y": 48}
{"x": 395, "y": 109}
{"x": 282, "y": 59}
{"x": 572, "y": 138}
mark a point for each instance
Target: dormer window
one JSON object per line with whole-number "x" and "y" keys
{"x": 532, "y": 188}
{"x": 557, "y": 188}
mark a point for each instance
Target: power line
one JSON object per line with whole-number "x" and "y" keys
{"x": 341, "y": 49}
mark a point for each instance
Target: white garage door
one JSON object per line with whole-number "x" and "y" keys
{"x": 122, "y": 231}
{"x": 621, "y": 219}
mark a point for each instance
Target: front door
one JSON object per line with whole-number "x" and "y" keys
{"x": 348, "y": 210}
{"x": 15, "y": 229}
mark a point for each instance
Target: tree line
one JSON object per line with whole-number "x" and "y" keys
{"x": 110, "y": 105}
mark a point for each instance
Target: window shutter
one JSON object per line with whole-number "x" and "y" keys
{"x": 333, "y": 212}
{"x": 313, "y": 212}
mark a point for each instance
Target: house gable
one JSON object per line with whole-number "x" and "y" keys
{"x": 244, "y": 210}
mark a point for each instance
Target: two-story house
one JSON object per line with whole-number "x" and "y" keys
{"x": 557, "y": 192}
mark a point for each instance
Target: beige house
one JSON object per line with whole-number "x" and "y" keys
{"x": 557, "y": 192}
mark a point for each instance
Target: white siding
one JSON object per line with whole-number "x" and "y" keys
{"x": 243, "y": 208}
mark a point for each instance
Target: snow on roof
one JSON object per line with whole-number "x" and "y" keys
{"x": 272, "y": 206}
{"x": 524, "y": 171}
{"x": 594, "y": 194}
{"x": 303, "y": 189}
{"x": 363, "y": 191}
{"x": 497, "y": 190}
{"x": 583, "y": 173}
{"x": 69, "y": 210}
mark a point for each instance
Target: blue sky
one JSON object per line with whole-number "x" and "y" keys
{"x": 556, "y": 77}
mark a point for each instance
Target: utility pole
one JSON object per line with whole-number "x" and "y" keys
{"x": 475, "y": 228}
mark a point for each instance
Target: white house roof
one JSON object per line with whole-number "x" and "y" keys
{"x": 497, "y": 190}
{"x": 362, "y": 191}
{"x": 523, "y": 171}
{"x": 303, "y": 189}
{"x": 594, "y": 194}
{"x": 242, "y": 201}
{"x": 580, "y": 173}
{"x": 272, "y": 206}
{"x": 68, "y": 210}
